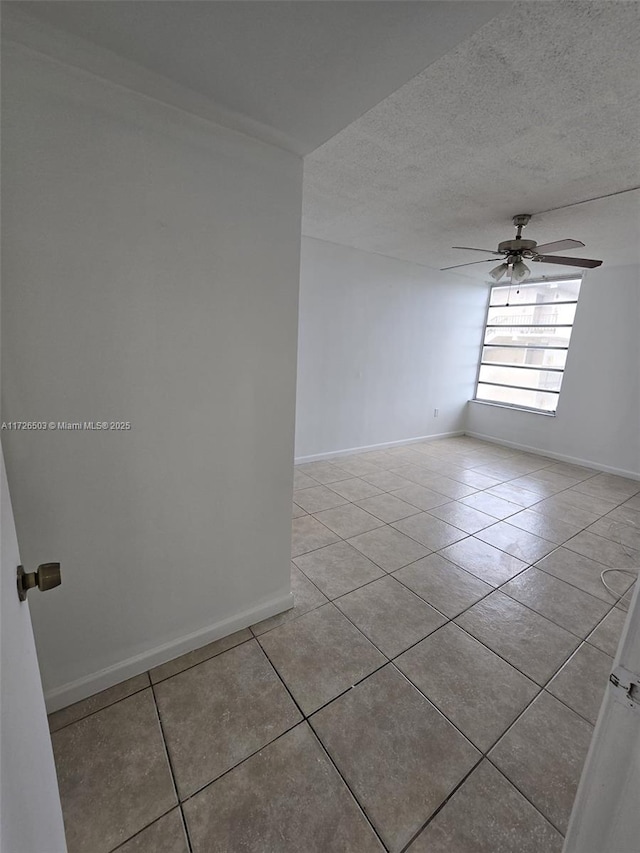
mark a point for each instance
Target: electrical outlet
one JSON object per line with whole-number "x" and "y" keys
{"x": 435, "y": 413}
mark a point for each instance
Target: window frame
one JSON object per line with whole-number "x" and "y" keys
{"x": 579, "y": 277}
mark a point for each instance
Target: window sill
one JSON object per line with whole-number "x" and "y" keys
{"x": 515, "y": 408}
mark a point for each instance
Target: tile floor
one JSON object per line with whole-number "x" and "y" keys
{"x": 433, "y": 690}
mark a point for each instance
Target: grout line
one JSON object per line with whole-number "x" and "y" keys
{"x": 522, "y": 793}
{"x": 239, "y": 763}
{"x": 204, "y": 660}
{"x": 140, "y": 831}
{"x": 171, "y": 767}
{"x": 306, "y": 719}
{"x": 442, "y": 805}
{"x": 102, "y": 708}
{"x": 346, "y": 784}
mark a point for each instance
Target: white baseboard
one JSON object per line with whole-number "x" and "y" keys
{"x": 561, "y": 457}
{"x": 316, "y": 457}
{"x": 74, "y": 691}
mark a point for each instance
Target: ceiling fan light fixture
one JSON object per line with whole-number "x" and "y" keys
{"x": 520, "y": 271}
{"x": 499, "y": 271}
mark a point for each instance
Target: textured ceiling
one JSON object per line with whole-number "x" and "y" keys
{"x": 305, "y": 69}
{"x": 538, "y": 109}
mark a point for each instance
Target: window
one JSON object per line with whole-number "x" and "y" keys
{"x": 526, "y": 341}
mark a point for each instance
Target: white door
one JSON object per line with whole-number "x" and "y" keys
{"x": 30, "y": 814}
{"x": 606, "y": 812}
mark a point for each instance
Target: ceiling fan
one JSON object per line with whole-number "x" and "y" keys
{"x": 514, "y": 251}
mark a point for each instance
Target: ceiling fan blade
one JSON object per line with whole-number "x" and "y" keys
{"x": 570, "y": 262}
{"x": 558, "y": 246}
{"x": 486, "y": 251}
{"x": 455, "y": 266}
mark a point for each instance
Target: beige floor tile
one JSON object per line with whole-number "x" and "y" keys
{"x": 543, "y": 754}
{"x": 541, "y": 488}
{"x": 390, "y": 615}
{"x": 452, "y": 488}
{"x": 474, "y": 688}
{"x": 627, "y": 535}
{"x": 287, "y": 798}
{"x": 625, "y": 601}
{"x": 584, "y": 573}
{"x": 609, "y": 487}
{"x": 442, "y": 584}
{"x": 72, "y": 713}
{"x": 320, "y": 655}
{"x": 296, "y": 511}
{"x": 430, "y": 531}
{"x": 386, "y": 481}
{"x": 418, "y": 474}
{"x": 317, "y": 498}
{"x": 582, "y": 681}
{"x": 404, "y": 762}
{"x": 348, "y": 520}
{"x": 548, "y": 527}
{"x": 475, "y": 479}
{"x": 388, "y": 508}
{"x": 179, "y": 664}
{"x": 568, "y": 470}
{"x": 586, "y": 502}
{"x": 559, "y": 508}
{"x": 558, "y": 481}
{"x": 514, "y": 494}
{"x": 113, "y": 774}
{"x": 533, "y": 644}
{"x": 356, "y": 467}
{"x": 307, "y": 534}
{"x": 486, "y": 562}
{"x": 420, "y": 497}
{"x": 166, "y": 835}
{"x": 491, "y": 505}
{"x": 355, "y": 489}
{"x": 508, "y": 468}
{"x": 519, "y": 543}
{"x": 609, "y": 553}
{"x": 463, "y": 517}
{"x": 401, "y": 453}
{"x": 219, "y": 712}
{"x": 567, "y": 606}
{"x": 380, "y": 458}
{"x": 488, "y": 815}
{"x": 389, "y": 548}
{"x": 607, "y": 635}
{"x": 306, "y": 596}
{"x": 625, "y": 514}
{"x": 633, "y": 503}
{"x": 324, "y": 472}
{"x": 302, "y": 480}
{"x": 440, "y": 463}
{"x": 338, "y": 569}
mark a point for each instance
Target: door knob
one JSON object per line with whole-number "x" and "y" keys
{"x": 45, "y": 577}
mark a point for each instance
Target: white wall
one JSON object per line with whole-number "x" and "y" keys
{"x": 598, "y": 417}
{"x": 382, "y": 343}
{"x": 150, "y": 275}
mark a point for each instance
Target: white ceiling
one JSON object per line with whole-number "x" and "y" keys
{"x": 306, "y": 69}
{"x": 510, "y": 108}
{"x": 538, "y": 109}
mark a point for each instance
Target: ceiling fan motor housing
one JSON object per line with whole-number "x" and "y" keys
{"x": 517, "y": 245}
